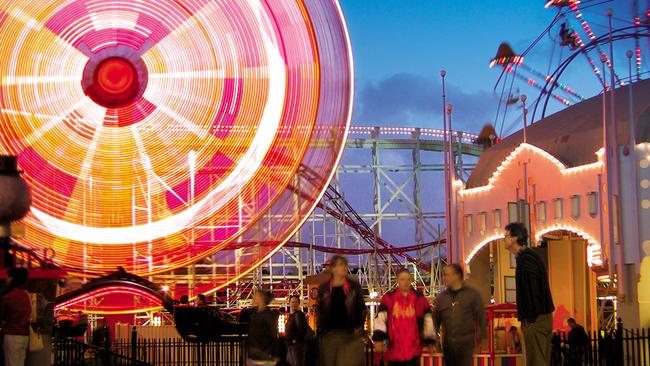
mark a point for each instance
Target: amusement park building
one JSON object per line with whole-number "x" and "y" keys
{"x": 556, "y": 183}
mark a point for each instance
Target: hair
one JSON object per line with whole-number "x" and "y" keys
{"x": 18, "y": 276}
{"x": 184, "y": 299}
{"x": 513, "y": 329}
{"x": 571, "y": 321}
{"x": 335, "y": 260}
{"x": 458, "y": 269}
{"x": 294, "y": 297}
{"x": 268, "y": 296}
{"x": 518, "y": 230}
{"x": 200, "y": 297}
{"x": 402, "y": 270}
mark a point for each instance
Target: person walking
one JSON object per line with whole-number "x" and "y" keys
{"x": 405, "y": 320}
{"x": 263, "y": 331}
{"x": 460, "y": 316}
{"x": 534, "y": 300}
{"x": 578, "y": 342}
{"x": 15, "y": 311}
{"x": 342, "y": 313}
{"x": 297, "y": 333}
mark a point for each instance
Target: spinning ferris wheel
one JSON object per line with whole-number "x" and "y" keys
{"x": 602, "y": 38}
{"x": 156, "y": 133}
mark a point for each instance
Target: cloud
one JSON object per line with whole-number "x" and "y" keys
{"x": 412, "y": 100}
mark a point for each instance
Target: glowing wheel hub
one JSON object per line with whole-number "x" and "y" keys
{"x": 115, "y": 78}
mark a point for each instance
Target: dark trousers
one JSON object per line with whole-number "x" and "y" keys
{"x": 537, "y": 340}
{"x": 414, "y": 362}
{"x": 297, "y": 354}
{"x": 458, "y": 353}
{"x": 341, "y": 348}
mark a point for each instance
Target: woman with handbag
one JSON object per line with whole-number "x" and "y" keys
{"x": 15, "y": 312}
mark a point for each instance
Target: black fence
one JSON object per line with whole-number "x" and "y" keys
{"x": 629, "y": 347}
{"x": 226, "y": 351}
{"x": 71, "y": 352}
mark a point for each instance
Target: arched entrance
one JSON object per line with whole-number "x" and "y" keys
{"x": 576, "y": 287}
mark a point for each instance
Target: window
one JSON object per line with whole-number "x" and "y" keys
{"x": 513, "y": 260}
{"x": 497, "y": 219}
{"x": 468, "y": 225}
{"x": 541, "y": 211}
{"x": 482, "y": 222}
{"x": 575, "y": 206}
{"x": 513, "y": 212}
{"x": 592, "y": 199}
{"x": 510, "y": 289}
{"x": 558, "y": 209}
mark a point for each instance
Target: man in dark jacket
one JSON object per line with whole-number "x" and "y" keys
{"x": 404, "y": 319}
{"x": 459, "y": 314}
{"x": 342, "y": 313}
{"x": 578, "y": 342}
{"x": 534, "y": 300}
{"x": 297, "y": 331}
{"x": 263, "y": 331}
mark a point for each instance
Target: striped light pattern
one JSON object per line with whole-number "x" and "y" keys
{"x": 156, "y": 133}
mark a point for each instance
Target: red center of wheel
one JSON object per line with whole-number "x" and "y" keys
{"x": 116, "y": 76}
{"x": 112, "y": 82}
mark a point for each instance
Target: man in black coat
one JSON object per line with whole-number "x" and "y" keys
{"x": 341, "y": 318}
{"x": 534, "y": 301}
{"x": 578, "y": 342}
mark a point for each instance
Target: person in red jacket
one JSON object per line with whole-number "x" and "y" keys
{"x": 15, "y": 311}
{"x": 405, "y": 320}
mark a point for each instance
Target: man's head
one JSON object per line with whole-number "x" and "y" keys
{"x": 513, "y": 329}
{"x": 572, "y": 322}
{"x": 201, "y": 299}
{"x": 516, "y": 236}
{"x": 294, "y": 302}
{"x": 404, "y": 280}
{"x": 339, "y": 266}
{"x": 184, "y": 300}
{"x": 453, "y": 275}
{"x": 17, "y": 277}
{"x": 262, "y": 298}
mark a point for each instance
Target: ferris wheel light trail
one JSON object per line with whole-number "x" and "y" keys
{"x": 510, "y": 70}
{"x": 575, "y": 8}
{"x": 146, "y": 128}
{"x": 563, "y": 87}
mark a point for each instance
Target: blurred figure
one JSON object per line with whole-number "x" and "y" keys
{"x": 515, "y": 340}
{"x": 101, "y": 339}
{"x": 15, "y": 311}
{"x": 534, "y": 300}
{"x": 460, "y": 316}
{"x": 298, "y": 333}
{"x": 578, "y": 342}
{"x": 342, "y": 312}
{"x": 263, "y": 331}
{"x": 185, "y": 300}
{"x": 404, "y": 319}
{"x": 200, "y": 300}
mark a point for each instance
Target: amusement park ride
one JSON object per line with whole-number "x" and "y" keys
{"x": 198, "y": 147}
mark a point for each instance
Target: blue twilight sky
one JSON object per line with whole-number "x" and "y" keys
{"x": 401, "y": 45}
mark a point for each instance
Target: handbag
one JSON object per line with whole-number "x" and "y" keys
{"x": 35, "y": 338}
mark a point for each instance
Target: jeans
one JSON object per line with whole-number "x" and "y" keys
{"x": 15, "y": 348}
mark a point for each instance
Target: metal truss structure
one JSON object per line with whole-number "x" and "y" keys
{"x": 385, "y": 196}
{"x": 392, "y": 177}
